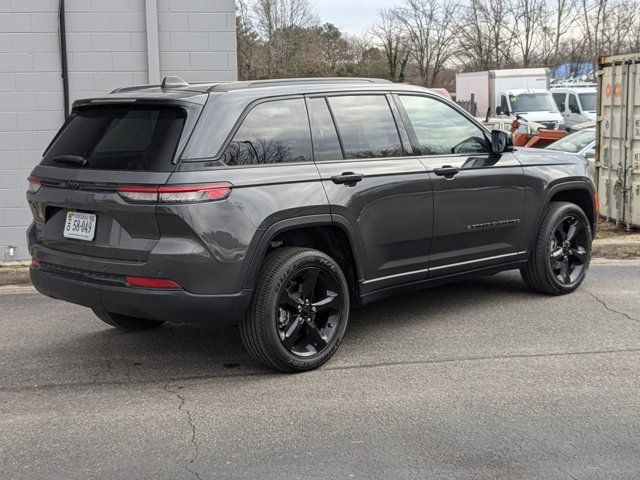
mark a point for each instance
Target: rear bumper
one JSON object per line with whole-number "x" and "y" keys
{"x": 169, "y": 305}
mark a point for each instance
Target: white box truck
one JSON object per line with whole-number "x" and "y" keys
{"x": 523, "y": 91}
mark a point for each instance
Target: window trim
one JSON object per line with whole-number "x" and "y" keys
{"x": 307, "y": 98}
{"x": 241, "y": 118}
{"x": 454, "y": 107}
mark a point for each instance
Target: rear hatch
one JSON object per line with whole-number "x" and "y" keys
{"x": 100, "y": 149}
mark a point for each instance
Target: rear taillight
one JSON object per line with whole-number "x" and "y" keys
{"x": 148, "y": 282}
{"x": 596, "y": 202}
{"x": 176, "y": 193}
{"x": 34, "y": 184}
{"x": 35, "y": 262}
{"x": 139, "y": 194}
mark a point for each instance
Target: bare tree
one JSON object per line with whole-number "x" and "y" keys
{"x": 279, "y": 23}
{"x": 566, "y": 14}
{"x": 431, "y": 32}
{"x": 388, "y": 31}
{"x": 621, "y": 26}
{"x": 486, "y": 39}
{"x": 335, "y": 50}
{"x": 593, "y": 14}
{"x": 248, "y": 44}
{"x": 530, "y": 17}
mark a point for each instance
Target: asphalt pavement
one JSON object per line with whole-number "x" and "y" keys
{"x": 474, "y": 380}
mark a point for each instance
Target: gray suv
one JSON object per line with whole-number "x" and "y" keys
{"x": 282, "y": 204}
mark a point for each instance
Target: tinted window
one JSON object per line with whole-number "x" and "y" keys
{"x": 504, "y": 105}
{"x": 574, "y": 142}
{"x": 442, "y": 130}
{"x": 573, "y": 104}
{"x": 559, "y": 99}
{"x": 273, "y": 132}
{"x": 366, "y": 126}
{"x": 325, "y": 139}
{"x": 119, "y": 138}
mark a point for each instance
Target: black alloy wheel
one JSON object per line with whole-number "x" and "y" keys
{"x": 309, "y": 310}
{"x": 559, "y": 259}
{"x": 299, "y": 310}
{"x": 568, "y": 247}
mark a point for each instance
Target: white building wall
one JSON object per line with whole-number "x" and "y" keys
{"x": 107, "y": 48}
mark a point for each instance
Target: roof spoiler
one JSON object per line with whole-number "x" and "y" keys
{"x": 167, "y": 82}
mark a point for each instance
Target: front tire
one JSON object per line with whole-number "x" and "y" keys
{"x": 560, "y": 257}
{"x": 299, "y": 310}
{"x": 125, "y": 322}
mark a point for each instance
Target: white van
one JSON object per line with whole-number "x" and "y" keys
{"x": 577, "y": 103}
{"x": 533, "y": 104}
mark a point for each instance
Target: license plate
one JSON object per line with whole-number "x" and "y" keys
{"x": 80, "y": 225}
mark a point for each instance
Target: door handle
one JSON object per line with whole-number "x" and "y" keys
{"x": 348, "y": 178}
{"x": 447, "y": 171}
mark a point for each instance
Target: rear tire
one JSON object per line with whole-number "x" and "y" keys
{"x": 561, "y": 254}
{"x": 124, "y": 322}
{"x": 299, "y": 310}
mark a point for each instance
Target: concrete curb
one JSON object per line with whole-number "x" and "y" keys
{"x": 18, "y": 273}
{"x": 14, "y": 275}
{"x": 607, "y": 249}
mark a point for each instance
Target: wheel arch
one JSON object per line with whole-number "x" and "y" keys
{"x": 333, "y": 235}
{"x": 578, "y": 192}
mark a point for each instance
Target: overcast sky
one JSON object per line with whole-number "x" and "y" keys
{"x": 350, "y": 16}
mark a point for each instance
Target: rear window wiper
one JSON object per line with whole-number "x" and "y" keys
{"x": 73, "y": 159}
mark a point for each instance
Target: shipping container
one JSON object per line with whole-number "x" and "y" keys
{"x": 618, "y": 139}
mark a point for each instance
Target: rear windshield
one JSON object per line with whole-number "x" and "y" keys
{"x": 575, "y": 142}
{"x": 118, "y": 138}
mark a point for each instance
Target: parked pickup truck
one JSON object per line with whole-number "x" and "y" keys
{"x": 282, "y": 204}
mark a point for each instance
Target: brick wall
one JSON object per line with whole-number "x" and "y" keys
{"x": 107, "y": 48}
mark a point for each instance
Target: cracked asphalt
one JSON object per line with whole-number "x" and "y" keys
{"x": 476, "y": 380}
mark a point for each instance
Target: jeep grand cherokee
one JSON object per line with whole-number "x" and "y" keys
{"x": 281, "y": 204}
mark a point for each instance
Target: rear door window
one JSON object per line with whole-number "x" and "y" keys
{"x": 366, "y": 126}
{"x": 118, "y": 138}
{"x": 273, "y": 132}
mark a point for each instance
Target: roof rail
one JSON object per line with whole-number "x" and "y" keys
{"x": 292, "y": 81}
{"x": 572, "y": 84}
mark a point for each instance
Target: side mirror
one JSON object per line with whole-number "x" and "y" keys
{"x": 590, "y": 154}
{"x": 499, "y": 111}
{"x": 562, "y": 107}
{"x": 500, "y": 142}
